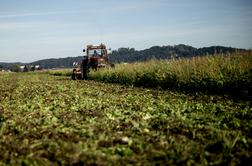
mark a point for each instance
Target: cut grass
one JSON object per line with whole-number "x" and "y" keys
{"x": 47, "y": 120}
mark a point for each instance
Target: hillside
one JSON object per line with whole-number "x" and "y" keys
{"x": 132, "y": 55}
{"x": 4, "y": 65}
{"x": 167, "y": 52}
{"x": 58, "y": 63}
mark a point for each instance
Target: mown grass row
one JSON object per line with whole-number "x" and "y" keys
{"x": 213, "y": 74}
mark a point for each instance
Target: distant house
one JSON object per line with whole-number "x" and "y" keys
{"x": 37, "y": 67}
{"x": 27, "y": 68}
{"x": 22, "y": 68}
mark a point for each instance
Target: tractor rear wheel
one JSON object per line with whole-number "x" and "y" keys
{"x": 84, "y": 68}
{"x": 73, "y": 76}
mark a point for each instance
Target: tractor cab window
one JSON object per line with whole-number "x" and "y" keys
{"x": 94, "y": 52}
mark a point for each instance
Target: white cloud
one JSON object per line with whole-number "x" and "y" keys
{"x": 13, "y": 15}
{"x": 117, "y": 7}
{"x": 22, "y": 25}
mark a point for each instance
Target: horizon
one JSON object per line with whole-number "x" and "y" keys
{"x": 119, "y": 47}
{"x": 123, "y": 47}
{"x": 32, "y": 31}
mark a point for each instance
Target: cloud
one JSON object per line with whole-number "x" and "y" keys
{"x": 115, "y": 8}
{"x": 14, "y": 15}
{"x": 21, "y": 25}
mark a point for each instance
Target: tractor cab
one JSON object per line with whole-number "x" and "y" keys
{"x": 96, "y": 57}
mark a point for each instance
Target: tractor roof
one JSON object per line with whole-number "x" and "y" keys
{"x": 101, "y": 46}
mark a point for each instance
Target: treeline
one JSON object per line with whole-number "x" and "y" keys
{"x": 167, "y": 52}
{"x": 44, "y": 64}
{"x": 131, "y": 55}
{"x": 10, "y": 66}
{"x": 58, "y": 63}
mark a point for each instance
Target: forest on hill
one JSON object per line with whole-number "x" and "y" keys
{"x": 167, "y": 52}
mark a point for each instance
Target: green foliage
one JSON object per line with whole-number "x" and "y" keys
{"x": 60, "y": 72}
{"x": 167, "y": 52}
{"x": 46, "y": 120}
{"x": 213, "y": 74}
{"x": 16, "y": 68}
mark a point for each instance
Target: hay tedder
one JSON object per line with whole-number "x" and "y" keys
{"x": 96, "y": 57}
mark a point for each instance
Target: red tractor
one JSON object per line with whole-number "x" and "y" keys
{"x": 96, "y": 57}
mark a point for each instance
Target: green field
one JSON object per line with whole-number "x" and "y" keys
{"x": 219, "y": 74}
{"x": 179, "y": 112}
{"x": 48, "y": 120}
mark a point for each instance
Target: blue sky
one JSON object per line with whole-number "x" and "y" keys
{"x": 33, "y": 29}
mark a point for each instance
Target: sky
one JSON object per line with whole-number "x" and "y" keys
{"x": 31, "y": 30}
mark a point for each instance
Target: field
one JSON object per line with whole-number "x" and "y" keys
{"x": 49, "y": 120}
{"x": 217, "y": 74}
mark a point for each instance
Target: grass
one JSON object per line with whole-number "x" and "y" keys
{"x": 46, "y": 120}
{"x": 60, "y": 72}
{"x": 212, "y": 74}
{"x": 217, "y": 74}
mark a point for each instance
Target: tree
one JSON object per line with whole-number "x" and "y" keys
{"x": 26, "y": 68}
{"x": 32, "y": 68}
{"x": 15, "y": 68}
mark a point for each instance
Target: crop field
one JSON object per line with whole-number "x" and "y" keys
{"x": 48, "y": 120}
{"x": 212, "y": 74}
{"x": 217, "y": 74}
{"x": 196, "y": 111}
